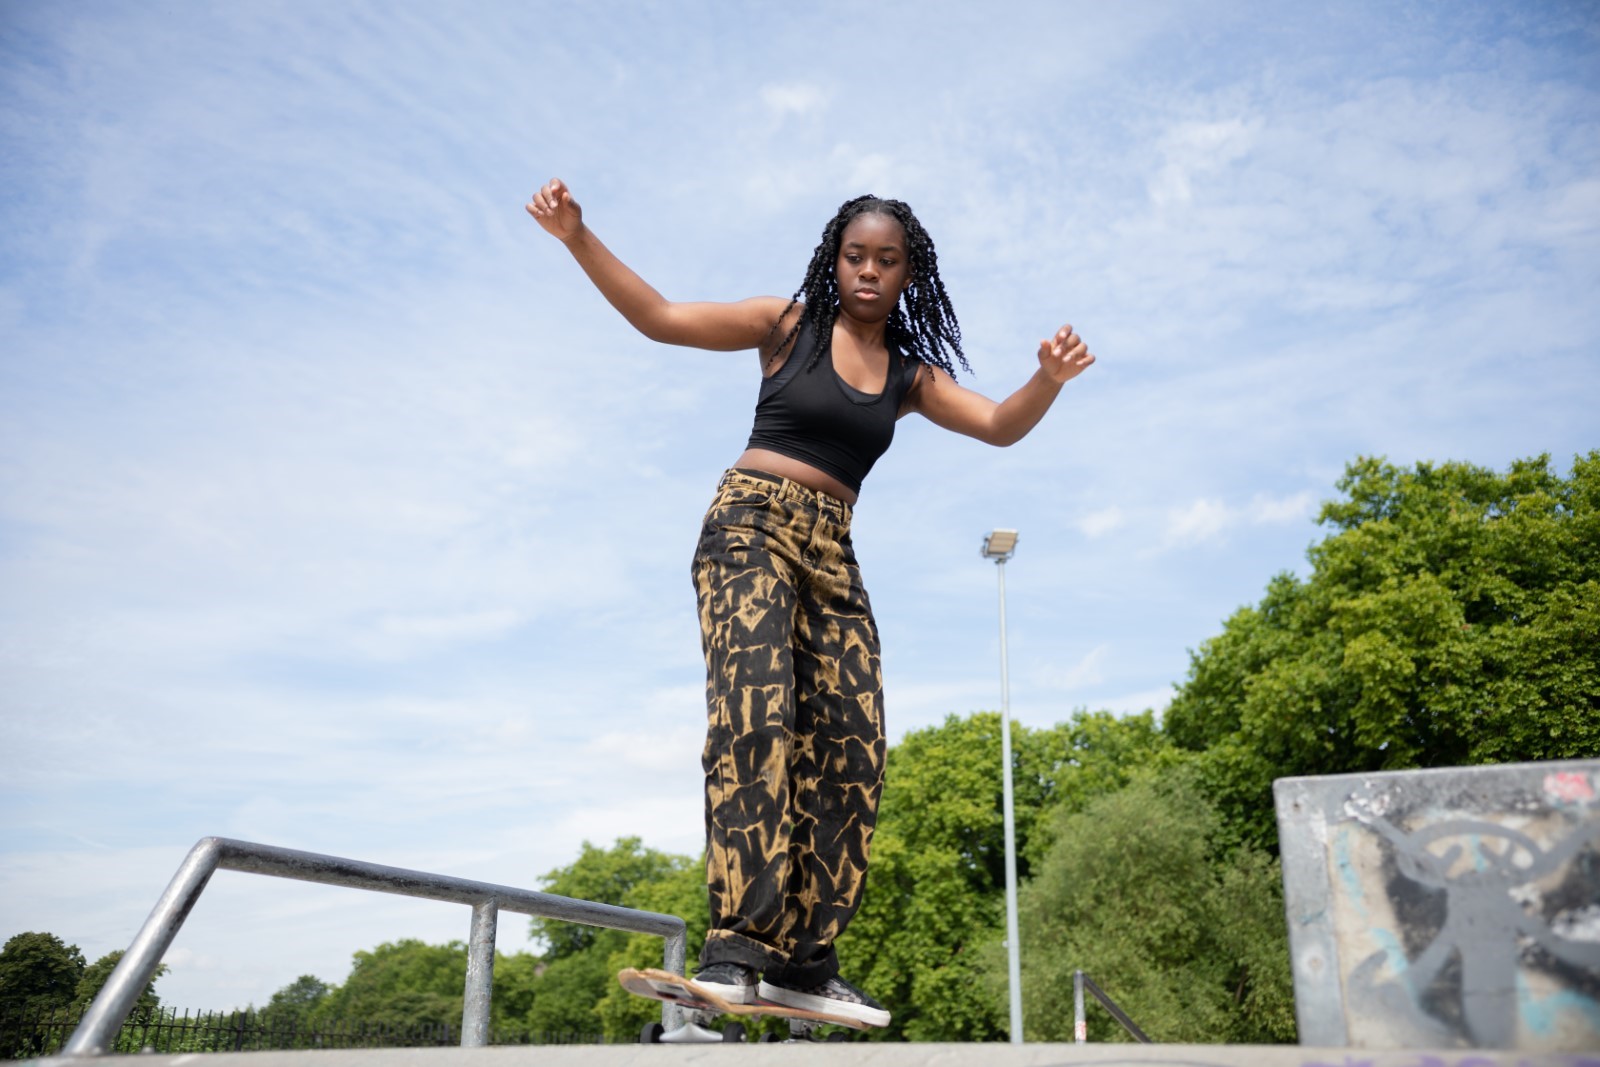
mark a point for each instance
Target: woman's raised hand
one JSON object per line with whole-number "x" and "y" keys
{"x": 1064, "y": 356}
{"x": 554, "y": 209}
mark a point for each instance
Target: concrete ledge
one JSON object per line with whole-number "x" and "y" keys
{"x": 865, "y": 1054}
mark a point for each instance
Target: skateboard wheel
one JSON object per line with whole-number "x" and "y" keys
{"x": 771, "y": 1039}
{"x": 651, "y": 1034}
{"x": 734, "y": 1032}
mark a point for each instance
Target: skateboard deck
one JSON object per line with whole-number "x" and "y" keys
{"x": 676, "y": 989}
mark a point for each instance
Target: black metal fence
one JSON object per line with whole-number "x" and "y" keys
{"x": 26, "y": 1035}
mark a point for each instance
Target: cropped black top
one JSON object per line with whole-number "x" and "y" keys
{"x": 807, "y": 412}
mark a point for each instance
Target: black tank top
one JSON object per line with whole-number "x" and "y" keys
{"x": 807, "y": 412}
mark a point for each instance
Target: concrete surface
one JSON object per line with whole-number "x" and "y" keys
{"x": 867, "y": 1055}
{"x": 1444, "y": 908}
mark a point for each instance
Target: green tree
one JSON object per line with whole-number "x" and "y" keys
{"x": 606, "y": 876}
{"x": 1449, "y": 619}
{"x": 578, "y": 974}
{"x": 94, "y": 978}
{"x": 680, "y": 891}
{"x": 936, "y": 889}
{"x": 1139, "y": 892}
{"x": 400, "y": 984}
{"x": 39, "y": 972}
{"x": 289, "y": 1012}
{"x": 514, "y": 977}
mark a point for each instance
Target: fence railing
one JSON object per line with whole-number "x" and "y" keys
{"x": 108, "y": 1011}
{"x": 24, "y": 1035}
{"x": 1080, "y": 1025}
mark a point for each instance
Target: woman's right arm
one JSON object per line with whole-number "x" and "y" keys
{"x": 719, "y": 327}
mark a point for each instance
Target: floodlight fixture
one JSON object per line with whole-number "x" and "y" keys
{"x": 1000, "y": 545}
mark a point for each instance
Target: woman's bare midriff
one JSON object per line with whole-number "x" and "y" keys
{"x": 783, "y": 466}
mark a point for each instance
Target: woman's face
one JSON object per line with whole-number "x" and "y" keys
{"x": 873, "y": 267}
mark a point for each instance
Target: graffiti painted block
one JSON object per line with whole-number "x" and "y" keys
{"x": 1445, "y": 908}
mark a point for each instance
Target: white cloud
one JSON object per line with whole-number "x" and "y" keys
{"x": 793, "y": 98}
{"x": 1208, "y": 519}
{"x": 1087, "y": 671}
{"x": 1202, "y": 520}
{"x": 1132, "y": 703}
{"x": 666, "y": 751}
{"x": 1268, "y": 509}
{"x": 1193, "y": 149}
{"x": 451, "y": 626}
{"x": 1101, "y": 522}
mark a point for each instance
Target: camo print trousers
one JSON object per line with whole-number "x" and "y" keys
{"x": 795, "y": 743}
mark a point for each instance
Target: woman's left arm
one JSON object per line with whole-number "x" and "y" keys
{"x": 946, "y": 403}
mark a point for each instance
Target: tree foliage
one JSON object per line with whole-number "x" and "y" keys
{"x": 1449, "y": 619}
{"x": 680, "y": 891}
{"x": 936, "y": 892}
{"x": 403, "y": 983}
{"x": 292, "y": 1008}
{"x": 575, "y": 991}
{"x": 606, "y": 876}
{"x": 1138, "y": 892}
{"x": 94, "y": 978}
{"x": 39, "y": 972}
{"x": 401, "y": 986}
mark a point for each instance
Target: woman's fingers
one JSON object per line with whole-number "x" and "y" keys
{"x": 554, "y": 209}
{"x": 1065, "y": 354}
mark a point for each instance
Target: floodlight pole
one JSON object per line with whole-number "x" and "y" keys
{"x": 1000, "y": 546}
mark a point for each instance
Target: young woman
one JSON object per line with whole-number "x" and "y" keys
{"x": 795, "y": 742}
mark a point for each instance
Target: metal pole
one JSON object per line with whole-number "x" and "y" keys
{"x": 1013, "y": 942}
{"x": 1080, "y": 1025}
{"x": 97, "y": 1030}
{"x": 674, "y": 957}
{"x": 480, "y": 975}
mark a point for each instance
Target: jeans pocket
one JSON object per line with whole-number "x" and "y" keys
{"x": 738, "y": 503}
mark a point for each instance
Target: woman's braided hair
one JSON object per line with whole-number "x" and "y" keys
{"x": 922, "y": 324}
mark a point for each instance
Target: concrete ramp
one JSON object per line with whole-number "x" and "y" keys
{"x": 867, "y": 1054}
{"x": 1448, "y": 907}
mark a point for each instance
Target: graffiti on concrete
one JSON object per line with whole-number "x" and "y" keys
{"x": 1482, "y": 912}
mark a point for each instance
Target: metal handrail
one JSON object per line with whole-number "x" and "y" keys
{"x": 106, "y": 1014}
{"x": 1080, "y": 1026}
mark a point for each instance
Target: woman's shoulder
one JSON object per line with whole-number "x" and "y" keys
{"x": 791, "y": 325}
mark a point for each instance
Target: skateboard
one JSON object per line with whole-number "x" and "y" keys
{"x": 704, "y": 1006}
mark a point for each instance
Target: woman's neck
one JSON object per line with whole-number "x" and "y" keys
{"x": 866, "y": 335}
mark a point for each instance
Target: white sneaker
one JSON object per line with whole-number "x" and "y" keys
{"x": 833, "y": 997}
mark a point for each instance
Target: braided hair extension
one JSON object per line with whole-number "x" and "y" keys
{"x": 922, "y": 324}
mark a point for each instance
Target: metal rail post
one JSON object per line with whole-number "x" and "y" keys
{"x": 138, "y": 965}
{"x": 1080, "y": 1024}
{"x": 1080, "y": 982}
{"x": 480, "y": 975}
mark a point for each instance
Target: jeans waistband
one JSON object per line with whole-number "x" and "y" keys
{"x": 785, "y": 489}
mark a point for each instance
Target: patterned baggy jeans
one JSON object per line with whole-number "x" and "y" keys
{"x": 795, "y": 744}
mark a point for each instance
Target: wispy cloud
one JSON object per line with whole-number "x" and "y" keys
{"x": 793, "y": 98}
{"x": 1208, "y": 519}
{"x": 1101, "y": 522}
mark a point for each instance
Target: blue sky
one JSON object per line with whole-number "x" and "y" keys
{"x": 338, "y": 512}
